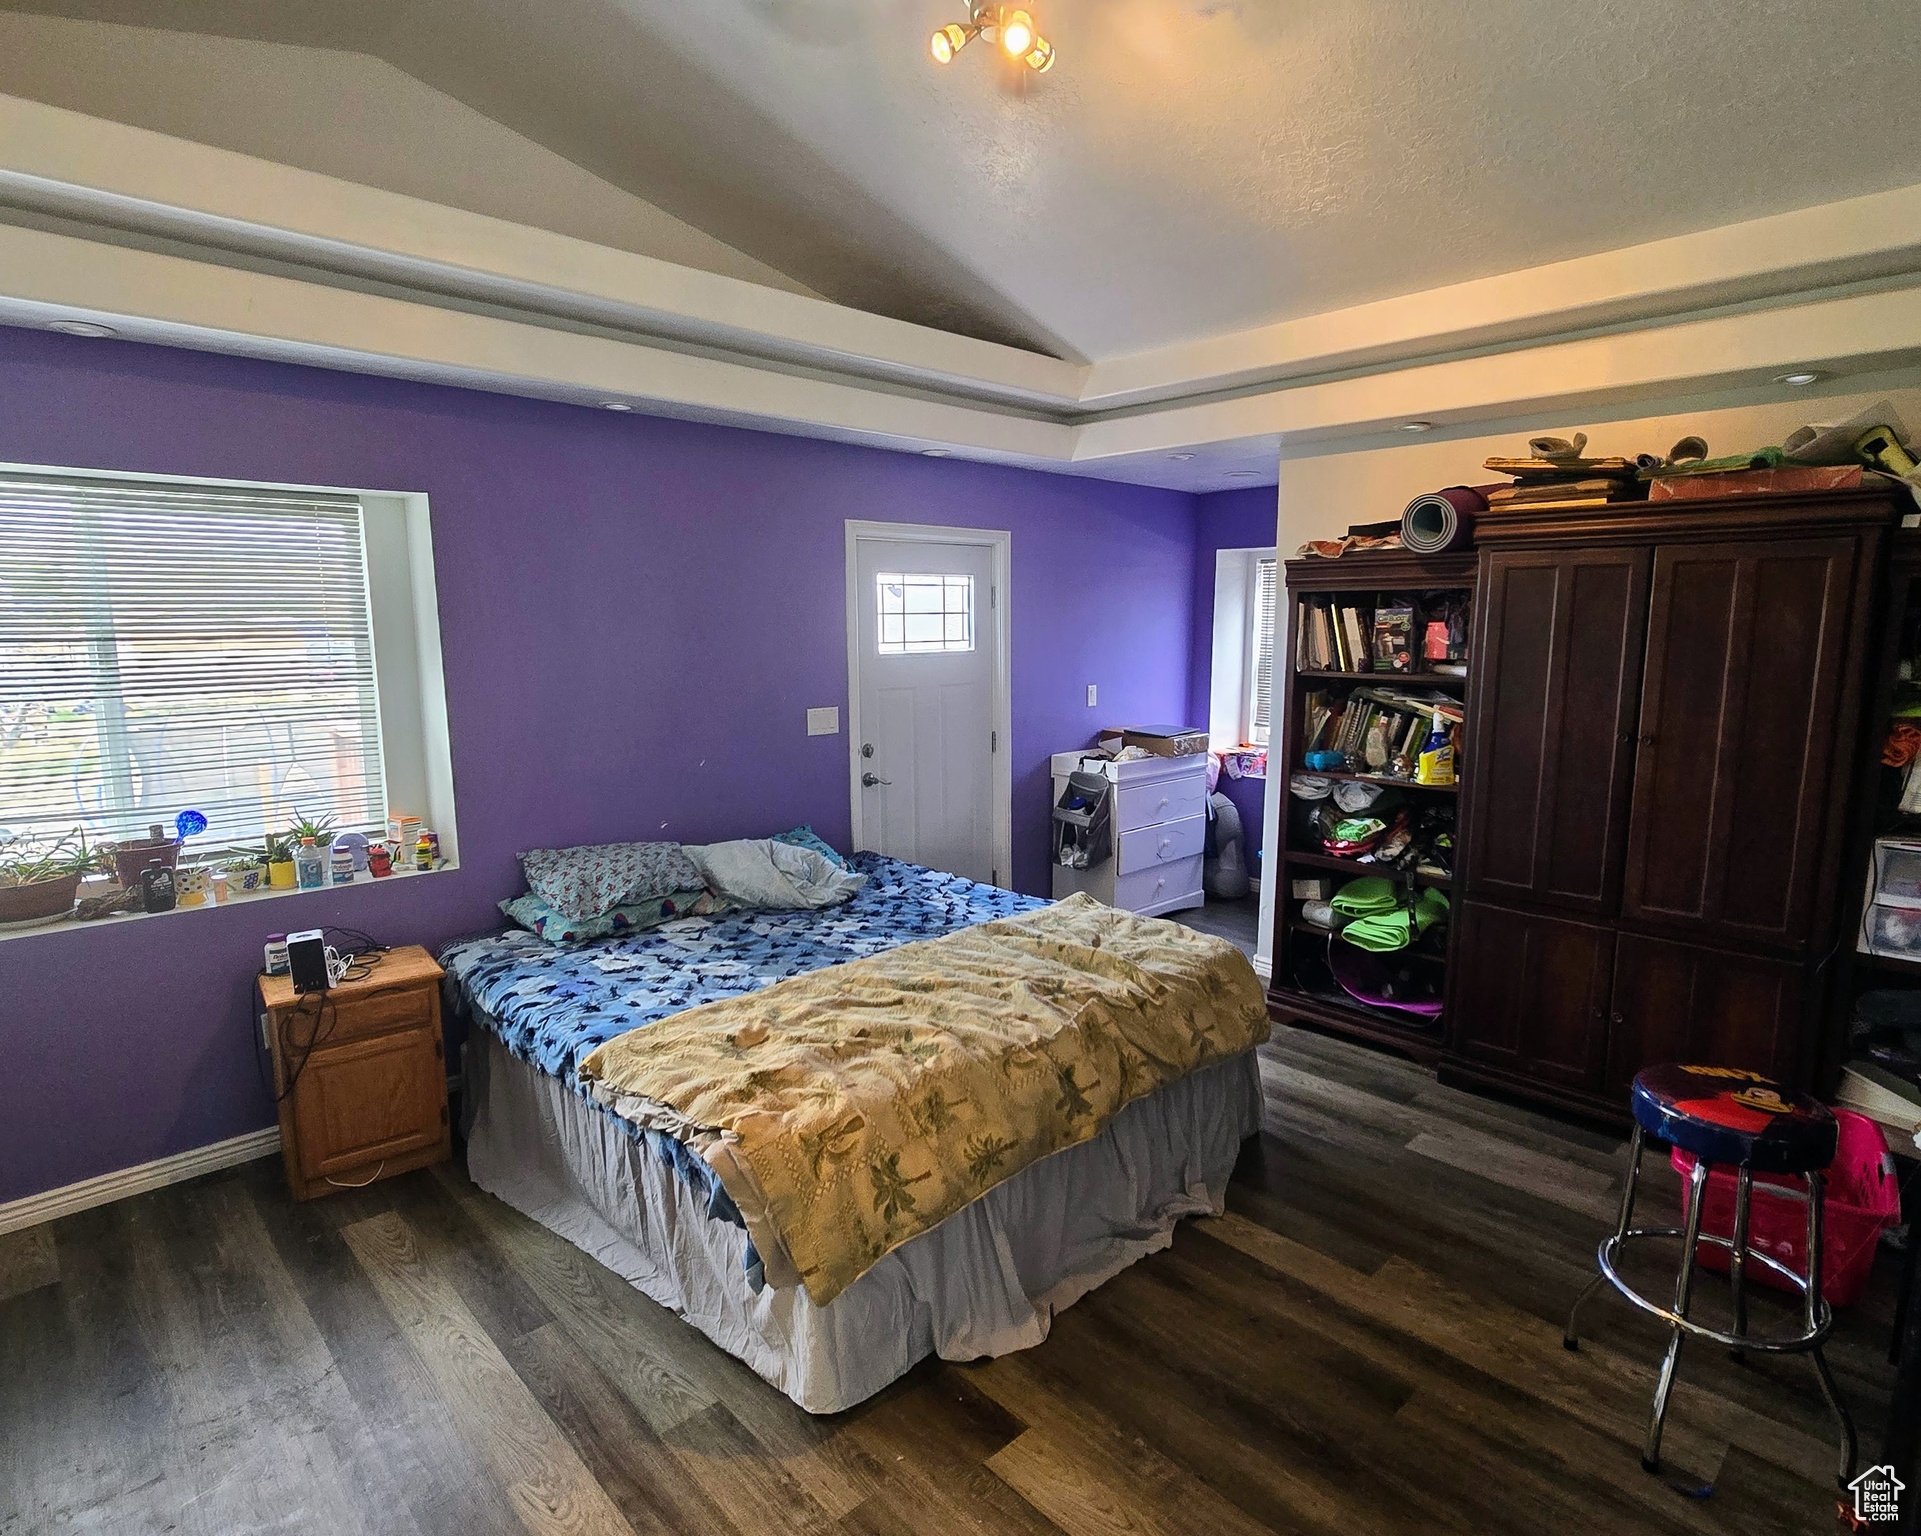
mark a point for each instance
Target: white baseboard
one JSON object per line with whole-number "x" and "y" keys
{"x": 1264, "y": 967}
{"x": 108, "y": 1187}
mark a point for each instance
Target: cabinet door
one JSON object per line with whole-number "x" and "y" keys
{"x": 1557, "y": 670}
{"x": 1530, "y": 993}
{"x": 1676, "y": 1002}
{"x": 374, "y": 1098}
{"x": 1739, "y": 711}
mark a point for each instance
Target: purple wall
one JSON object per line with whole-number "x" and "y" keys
{"x": 635, "y": 615}
{"x": 1226, "y": 520}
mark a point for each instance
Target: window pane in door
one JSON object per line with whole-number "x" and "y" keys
{"x": 920, "y": 612}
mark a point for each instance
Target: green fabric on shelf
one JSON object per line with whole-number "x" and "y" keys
{"x": 1385, "y": 928}
{"x": 1733, "y": 463}
{"x": 1370, "y": 894}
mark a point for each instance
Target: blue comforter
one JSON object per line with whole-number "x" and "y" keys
{"x": 552, "y": 1004}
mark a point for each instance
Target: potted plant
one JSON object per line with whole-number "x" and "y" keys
{"x": 132, "y": 857}
{"x": 276, "y": 852}
{"x": 321, "y": 831}
{"x": 37, "y": 885}
{"x": 246, "y": 871}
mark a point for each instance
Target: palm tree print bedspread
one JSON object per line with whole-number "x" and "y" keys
{"x": 850, "y": 1109}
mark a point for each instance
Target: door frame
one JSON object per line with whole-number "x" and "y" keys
{"x": 1001, "y": 769}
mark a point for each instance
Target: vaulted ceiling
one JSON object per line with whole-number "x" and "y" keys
{"x": 1191, "y": 168}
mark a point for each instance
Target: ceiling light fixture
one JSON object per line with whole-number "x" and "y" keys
{"x": 1800, "y": 379}
{"x": 935, "y": 453}
{"x": 81, "y": 328}
{"x": 1180, "y": 458}
{"x": 1417, "y": 426}
{"x": 1242, "y": 474}
{"x": 613, "y": 405}
{"x": 1012, "y": 29}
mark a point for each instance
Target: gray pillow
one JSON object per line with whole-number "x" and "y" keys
{"x": 588, "y": 881}
{"x": 773, "y": 876}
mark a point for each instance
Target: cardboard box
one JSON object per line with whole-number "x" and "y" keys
{"x": 1753, "y": 482}
{"x": 1159, "y": 740}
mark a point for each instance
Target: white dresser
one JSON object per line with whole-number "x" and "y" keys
{"x": 1160, "y": 832}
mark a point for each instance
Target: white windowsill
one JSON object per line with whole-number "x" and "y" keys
{"x": 256, "y": 898}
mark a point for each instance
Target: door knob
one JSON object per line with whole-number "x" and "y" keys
{"x": 869, "y": 780}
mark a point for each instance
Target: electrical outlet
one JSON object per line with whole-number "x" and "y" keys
{"x": 823, "y": 722}
{"x": 266, "y": 1033}
{"x": 1093, "y": 695}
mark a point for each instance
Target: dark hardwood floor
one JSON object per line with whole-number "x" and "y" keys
{"x": 1239, "y": 922}
{"x": 1369, "y": 1341}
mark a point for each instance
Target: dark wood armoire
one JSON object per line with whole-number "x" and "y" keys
{"x": 1665, "y": 725}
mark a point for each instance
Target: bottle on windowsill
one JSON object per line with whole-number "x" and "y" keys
{"x": 309, "y": 865}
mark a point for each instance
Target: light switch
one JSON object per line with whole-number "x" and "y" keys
{"x": 823, "y": 722}
{"x": 1092, "y": 691}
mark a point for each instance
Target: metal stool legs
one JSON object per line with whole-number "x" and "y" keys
{"x": 1570, "y": 1339}
{"x": 1683, "y": 1295}
{"x": 1818, "y": 1317}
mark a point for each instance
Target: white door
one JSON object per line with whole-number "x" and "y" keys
{"x": 925, "y": 667}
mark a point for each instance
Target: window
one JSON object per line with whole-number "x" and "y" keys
{"x": 924, "y": 612}
{"x": 1241, "y": 699}
{"x": 1261, "y": 653}
{"x": 170, "y": 644}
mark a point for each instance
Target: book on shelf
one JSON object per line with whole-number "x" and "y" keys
{"x": 1354, "y": 638}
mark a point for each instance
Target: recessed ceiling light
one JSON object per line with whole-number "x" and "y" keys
{"x": 935, "y": 453}
{"x": 1242, "y": 474}
{"x": 1417, "y": 426}
{"x": 81, "y": 328}
{"x": 1181, "y": 457}
{"x": 613, "y": 405}
{"x": 1803, "y": 377}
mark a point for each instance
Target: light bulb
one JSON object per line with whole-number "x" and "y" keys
{"x": 949, "y": 40}
{"x": 1040, "y": 58}
{"x": 1017, "y": 32}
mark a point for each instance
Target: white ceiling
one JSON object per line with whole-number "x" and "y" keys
{"x": 1190, "y": 167}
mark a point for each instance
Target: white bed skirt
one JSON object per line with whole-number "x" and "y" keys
{"x": 984, "y": 1282}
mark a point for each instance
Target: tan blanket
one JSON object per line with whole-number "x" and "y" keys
{"x": 849, "y": 1109}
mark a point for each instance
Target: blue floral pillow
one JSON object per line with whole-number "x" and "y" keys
{"x": 587, "y": 881}
{"x": 805, "y": 837}
{"x": 533, "y": 914}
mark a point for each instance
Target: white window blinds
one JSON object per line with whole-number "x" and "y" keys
{"x": 1261, "y": 711}
{"x": 166, "y": 646}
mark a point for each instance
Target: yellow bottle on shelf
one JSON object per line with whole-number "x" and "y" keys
{"x": 1436, "y": 762}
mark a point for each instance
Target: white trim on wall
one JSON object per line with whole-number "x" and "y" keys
{"x": 52, "y": 1204}
{"x": 1000, "y": 541}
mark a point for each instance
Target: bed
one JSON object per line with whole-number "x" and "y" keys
{"x": 984, "y": 1281}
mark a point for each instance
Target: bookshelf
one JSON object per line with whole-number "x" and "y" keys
{"x": 1325, "y": 681}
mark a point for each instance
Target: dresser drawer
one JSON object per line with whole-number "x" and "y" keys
{"x": 1162, "y": 888}
{"x": 1147, "y": 805}
{"x": 345, "y": 1016}
{"x": 1166, "y": 843}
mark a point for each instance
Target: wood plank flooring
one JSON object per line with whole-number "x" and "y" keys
{"x": 1369, "y": 1340}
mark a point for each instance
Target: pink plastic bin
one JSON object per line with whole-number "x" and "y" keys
{"x": 1862, "y": 1198}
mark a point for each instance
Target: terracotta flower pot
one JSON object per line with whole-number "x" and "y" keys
{"x": 44, "y": 898}
{"x": 130, "y": 858}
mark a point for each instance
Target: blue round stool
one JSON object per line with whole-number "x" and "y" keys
{"x": 1742, "y": 1121}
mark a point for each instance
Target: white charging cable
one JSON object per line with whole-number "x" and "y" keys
{"x": 337, "y": 966}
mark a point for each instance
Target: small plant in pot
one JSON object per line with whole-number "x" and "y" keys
{"x": 38, "y": 882}
{"x": 321, "y": 831}
{"x": 246, "y": 871}
{"x": 276, "y": 853}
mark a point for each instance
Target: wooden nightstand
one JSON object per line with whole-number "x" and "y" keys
{"x": 369, "y": 1074}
